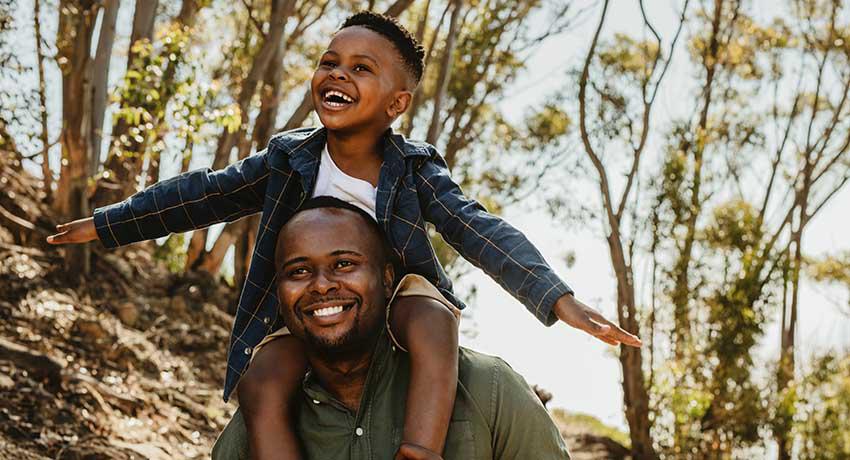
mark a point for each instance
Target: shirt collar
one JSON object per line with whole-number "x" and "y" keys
{"x": 382, "y": 363}
{"x": 394, "y": 144}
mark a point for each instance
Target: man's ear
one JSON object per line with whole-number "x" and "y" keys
{"x": 400, "y": 103}
{"x": 389, "y": 280}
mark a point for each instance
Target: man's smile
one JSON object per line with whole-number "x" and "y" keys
{"x": 329, "y": 312}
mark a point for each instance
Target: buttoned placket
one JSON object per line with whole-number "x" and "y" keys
{"x": 360, "y": 442}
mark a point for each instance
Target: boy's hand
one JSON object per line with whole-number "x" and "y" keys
{"x": 78, "y": 231}
{"x": 408, "y": 451}
{"x": 578, "y": 315}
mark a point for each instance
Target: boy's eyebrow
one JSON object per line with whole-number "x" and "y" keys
{"x": 363, "y": 56}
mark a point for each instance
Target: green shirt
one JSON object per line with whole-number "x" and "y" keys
{"x": 496, "y": 416}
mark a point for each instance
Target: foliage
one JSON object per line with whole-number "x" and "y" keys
{"x": 172, "y": 252}
{"x": 823, "y": 414}
{"x": 589, "y": 424}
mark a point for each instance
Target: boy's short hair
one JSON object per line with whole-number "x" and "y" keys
{"x": 412, "y": 53}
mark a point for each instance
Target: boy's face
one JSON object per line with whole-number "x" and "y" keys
{"x": 367, "y": 70}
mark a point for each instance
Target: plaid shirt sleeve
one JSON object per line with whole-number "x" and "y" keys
{"x": 488, "y": 242}
{"x": 192, "y": 200}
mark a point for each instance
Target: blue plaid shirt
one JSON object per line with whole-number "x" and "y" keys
{"x": 414, "y": 187}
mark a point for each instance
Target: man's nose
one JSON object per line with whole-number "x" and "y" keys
{"x": 324, "y": 282}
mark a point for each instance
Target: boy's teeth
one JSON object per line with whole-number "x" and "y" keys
{"x": 344, "y": 96}
{"x": 327, "y": 311}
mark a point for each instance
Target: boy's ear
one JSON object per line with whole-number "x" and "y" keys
{"x": 400, "y": 103}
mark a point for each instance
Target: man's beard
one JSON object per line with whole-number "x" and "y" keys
{"x": 354, "y": 340}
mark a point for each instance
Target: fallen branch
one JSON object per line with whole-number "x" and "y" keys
{"x": 38, "y": 365}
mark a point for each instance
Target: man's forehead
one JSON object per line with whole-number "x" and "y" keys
{"x": 326, "y": 230}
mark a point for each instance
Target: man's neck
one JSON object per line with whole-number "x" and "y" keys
{"x": 357, "y": 154}
{"x": 342, "y": 375}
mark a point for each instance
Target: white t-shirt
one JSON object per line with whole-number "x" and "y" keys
{"x": 331, "y": 181}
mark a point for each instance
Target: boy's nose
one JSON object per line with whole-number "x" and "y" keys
{"x": 338, "y": 74}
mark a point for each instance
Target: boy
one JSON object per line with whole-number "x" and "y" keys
{"x": 364, "y": 81}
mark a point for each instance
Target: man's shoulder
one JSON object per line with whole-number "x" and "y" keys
{"x": 486, "y": 376}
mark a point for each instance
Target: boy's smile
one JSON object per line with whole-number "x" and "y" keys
{"x": 359, "y": 81}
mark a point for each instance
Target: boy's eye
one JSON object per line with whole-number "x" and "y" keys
{"x": 327, "y": 64}
{"x": 361, "y": 67}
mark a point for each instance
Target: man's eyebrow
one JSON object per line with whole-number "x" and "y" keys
{"x": 292, "y": 261}
{"x": 340, "y": 252}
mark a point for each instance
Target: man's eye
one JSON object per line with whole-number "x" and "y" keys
{"x": 344, "y": 263}
{"x": 297, "y": 271}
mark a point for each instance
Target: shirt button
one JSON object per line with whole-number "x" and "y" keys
{"x": 358, "y": 431}
{"x": 315, "y": 401}
{"x": 266, "y": 320}
{"x": 247, "y": 350}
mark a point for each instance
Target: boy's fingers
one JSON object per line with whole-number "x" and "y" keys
{"x": 409, "y": 451}
{"x": 595, "y": 328}
{"x": 58, "y": 238}
{"x": 608, "y": 340}
{"x": 616, "y": 332}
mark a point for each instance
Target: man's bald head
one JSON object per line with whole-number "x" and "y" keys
{"x": 332, "y": 206}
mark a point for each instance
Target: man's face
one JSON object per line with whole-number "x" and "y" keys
{"x": 366, "y": 69}
{"x": 333, "y": 281}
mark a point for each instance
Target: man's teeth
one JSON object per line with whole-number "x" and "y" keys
{"x": 344, "y": 96}
{"x": 328, "y": 311}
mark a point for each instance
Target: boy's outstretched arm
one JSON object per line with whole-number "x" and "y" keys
{"x": 428, "y": 330}
{"x": 190, "y": 201}
{"x": 505, "y": 254}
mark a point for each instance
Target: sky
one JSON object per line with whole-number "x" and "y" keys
{"x": 583, "y": 373}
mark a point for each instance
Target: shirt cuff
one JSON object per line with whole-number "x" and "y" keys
{"x": 547, "y": 292}
{"x": 104, "y": 232}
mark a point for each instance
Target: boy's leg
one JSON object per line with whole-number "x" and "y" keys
{"x": 267, "y": 396}
{"x": 429, "y": 331}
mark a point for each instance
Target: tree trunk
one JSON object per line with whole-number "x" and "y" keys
{"x": 397, "y": 8}
{"x": 281, "y": 9}
{"x": 785, "y": 370}
{"x": 46, "y": 172}
{"x": 409, "y": 115}
{"x": 76, "y": 24}
{"x": 101, "y": 79}
{"x": 635, "y": 395}
{"x": 124, "y": 161}
{"x": 434, "y": 128}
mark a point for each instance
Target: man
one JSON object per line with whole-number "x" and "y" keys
{"x": 335, "y": 281}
